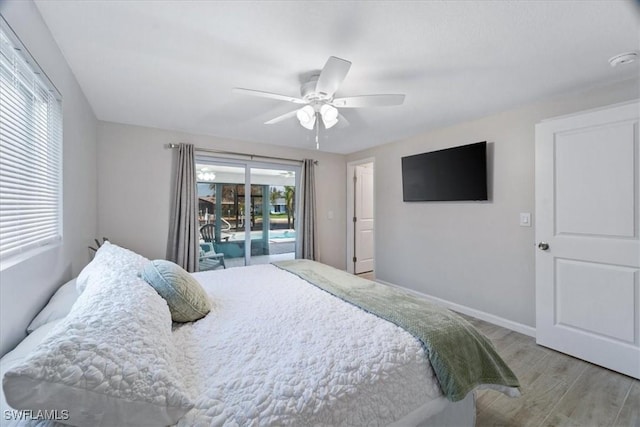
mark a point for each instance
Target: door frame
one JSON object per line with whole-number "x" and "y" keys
{"x": 351, "y": 167}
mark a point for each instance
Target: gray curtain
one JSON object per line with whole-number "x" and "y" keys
{"x": 308, "y": 244}
{"x": 182, "y": 246}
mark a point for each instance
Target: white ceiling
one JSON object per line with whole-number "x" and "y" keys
{"x": 172, "y": 64}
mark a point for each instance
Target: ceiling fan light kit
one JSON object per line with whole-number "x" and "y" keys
{"x": 329, "y": 115}
{"x": 307, "y": 116}
{"x": 319, "y": 101}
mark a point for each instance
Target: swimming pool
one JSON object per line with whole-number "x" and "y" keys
{"x": 282, "y": 234}
{"x": 277, "y": 235}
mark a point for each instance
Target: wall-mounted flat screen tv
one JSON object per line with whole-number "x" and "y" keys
{"x": 458, "y": 173}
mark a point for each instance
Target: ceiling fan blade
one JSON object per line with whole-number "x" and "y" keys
{"x": 269, "y": 95}
{"x": 282, "y": 117}
{"x": 368, "y": 101}
{"x": 332, "y": 75}
{"x": 342, "y": 122}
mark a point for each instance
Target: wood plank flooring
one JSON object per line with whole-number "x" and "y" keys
{"x": 557, "y": 390}
{"x": 368, "y": 275}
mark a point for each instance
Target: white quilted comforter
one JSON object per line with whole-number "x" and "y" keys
{"x": 276, "y": 350}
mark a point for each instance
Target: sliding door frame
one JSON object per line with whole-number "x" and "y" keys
{"x": 248, "y": 165}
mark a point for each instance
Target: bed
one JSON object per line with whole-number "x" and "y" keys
{"x": 285, "y": 344}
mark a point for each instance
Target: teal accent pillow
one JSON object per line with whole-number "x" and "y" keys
{"x": 186, "y": 298}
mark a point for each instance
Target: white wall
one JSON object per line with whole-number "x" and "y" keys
{"x": 135, "y": 182}
{"x": 472, "y": 253}
{"x": 26, "y": 286}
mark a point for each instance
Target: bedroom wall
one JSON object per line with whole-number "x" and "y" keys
{"x": 26, "y": 286}
{"x": 134, "y": 186}
{"x": 473, "y": 254}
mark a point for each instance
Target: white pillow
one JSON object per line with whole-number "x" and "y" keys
{"x": 109, "y": 257}
{"x": 58, "y": 306}
{"x": 110, "y": 362}
{"x": 18, "y": 354}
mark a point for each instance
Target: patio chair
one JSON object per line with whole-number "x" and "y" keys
{"x": 209, "y": 258}
{"x": 208, "y": 233}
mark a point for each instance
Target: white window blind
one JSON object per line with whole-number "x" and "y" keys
{"x": 30, "y": 151}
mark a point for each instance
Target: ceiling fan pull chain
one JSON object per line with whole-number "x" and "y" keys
{"x": 317, "y": 131}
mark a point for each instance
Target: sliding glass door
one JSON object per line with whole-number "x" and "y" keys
{"x": 273, "y": 214}
{"x": 246, "y": 211}
{"x": 221, "y": 213}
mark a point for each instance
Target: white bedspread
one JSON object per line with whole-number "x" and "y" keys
{"x": 277, "y": 350}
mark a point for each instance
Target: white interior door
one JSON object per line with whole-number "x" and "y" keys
{"x": 587, "y": 221}
{"x": 363, "y": 253}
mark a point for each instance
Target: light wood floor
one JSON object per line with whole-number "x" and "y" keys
{"x": 368, "y": 275}
{"x": 557, "y": 390}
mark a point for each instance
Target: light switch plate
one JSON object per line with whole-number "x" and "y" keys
{"x": 525, "y": 219}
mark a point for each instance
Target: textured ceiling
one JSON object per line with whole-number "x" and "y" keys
{"x": 172, "y": 64}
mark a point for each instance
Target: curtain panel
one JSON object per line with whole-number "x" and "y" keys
{"x": 183, "y": 242}
{"x": 308, "y": 247}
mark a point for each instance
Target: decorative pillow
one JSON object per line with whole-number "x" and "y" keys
{"x": 109, "y": 257}
{"x": 186, "y": 299}
{"x": 110, "y": 362}
{"x": 58, "y": 306}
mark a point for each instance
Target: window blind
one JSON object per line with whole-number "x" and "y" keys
{"x": 30, "y": 152}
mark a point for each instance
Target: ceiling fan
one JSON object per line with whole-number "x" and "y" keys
{"x": 318, "y": 98}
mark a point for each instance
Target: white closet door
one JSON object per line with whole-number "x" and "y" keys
{"x": 587, "y": 221}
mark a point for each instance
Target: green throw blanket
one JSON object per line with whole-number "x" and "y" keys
{"x": 462, "y": 358}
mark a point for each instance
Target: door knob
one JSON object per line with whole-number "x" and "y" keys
{"x": 543, "y": 246}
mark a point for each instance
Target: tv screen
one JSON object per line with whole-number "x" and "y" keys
{"x": 458, "y": 173}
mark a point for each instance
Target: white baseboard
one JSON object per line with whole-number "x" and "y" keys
{"x": 478, "y": 314}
